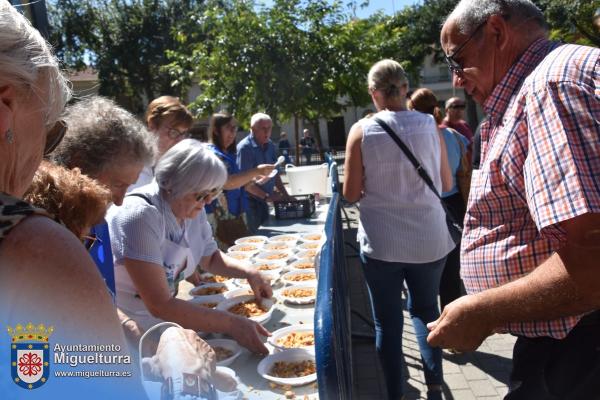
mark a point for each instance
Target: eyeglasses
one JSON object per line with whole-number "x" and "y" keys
{"x": 454, "y": 65}
{"x": 211, "y": 194}
{"x": 90, "y": 240}
{"x": 54, "y": 136}
{"x": 175, "y": 134}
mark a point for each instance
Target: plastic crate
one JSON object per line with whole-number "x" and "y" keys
{"x": 302, "y": 207}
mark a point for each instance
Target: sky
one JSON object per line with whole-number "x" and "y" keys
{"x": 388, "y": 6}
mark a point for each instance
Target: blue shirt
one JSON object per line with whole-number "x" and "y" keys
{"x": 237, "y": 199}
{"x": 101, "y": 253}
{"x": 250, "y": 155}
{"x": 454, "y": 155}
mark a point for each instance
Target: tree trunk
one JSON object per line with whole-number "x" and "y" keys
{"x": 317, "y": 127}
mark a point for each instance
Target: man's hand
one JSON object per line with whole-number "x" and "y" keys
{"x": 263, "y": 170}
{"x": 260, "y": 285}
{"x": 248, "y": 333}
{"x": 463, "y": 325}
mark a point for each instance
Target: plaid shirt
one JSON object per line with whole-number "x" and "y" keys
{"x": 540, "y": 152}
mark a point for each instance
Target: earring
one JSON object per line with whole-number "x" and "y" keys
{"x": 10, "y": 138}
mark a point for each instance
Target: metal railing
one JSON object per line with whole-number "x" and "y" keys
{"x": 333, "y": 335}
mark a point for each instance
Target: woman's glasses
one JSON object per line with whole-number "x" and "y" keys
{"x": 209, "y": 195}
{"x": 173, "y": 133}
{"x": 90, "y": 240}
{"x": 54, "y": 136}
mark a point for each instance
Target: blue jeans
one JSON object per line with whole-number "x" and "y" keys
{"x": 257, "y": 214}
{"x": 385, "y": 281}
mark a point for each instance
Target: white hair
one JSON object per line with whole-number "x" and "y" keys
{"x": 26, "y": 61}
{"x": 189, "y": 166}
{"x": 469, "y": 14}
{"x": 388, "y": 76}
{"x": 259, "y": 117}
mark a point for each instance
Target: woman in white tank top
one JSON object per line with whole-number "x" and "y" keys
{"x": 402, "y": 230}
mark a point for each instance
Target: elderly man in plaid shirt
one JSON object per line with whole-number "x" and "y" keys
{"x": 531, "y": 245}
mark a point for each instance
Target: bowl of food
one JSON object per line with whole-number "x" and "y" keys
{"x": 290, "y": 238}
{"x": 209, "y": 301}
{"x": 309, "y": 246}
{"x": 301, "y": 336}
{"x": 227, "y": 350}
{"x": 300, "y": 278}
{"x": 239, "y": 292}
{"x": 312, "y": 237}
{"x": 243, "y": 256}
{"x": 209, "y": 289}
{"x": 299, "y": 294}
{"x": 294, "y": 367}
{"x": 303, "y": 264}
{"x": 247, "y": 306}
{"x": 207, "y": 277}
{"x": 256, "y": 240}
{"x": 245, "y": 248}
{"x": 311, "y": 253}
{"x": 268, "y": 256}
{"x": 279, "y": 246}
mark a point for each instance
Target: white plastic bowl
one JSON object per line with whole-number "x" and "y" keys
{"x": 257, "y": 240}
{"x": 228, "y": 344}
{"x": 308, "y": 246}
{"x": 241, "y": 256}
{"x": 279, "y": 246}
{"x": 206, "y": 276}
{"x": 239, "y": 292}
{"x": 308, "y": 253}
{"x": 282, "y": 256}
{"x": 312, "y": 237}
{"x": 197, "y": 291}
{"x": 283, "y": 332}
{"x": 267, "y": 303}
{"x": 245, "y": 248}
{"x": 290, "y": 355}
{"x": 299, "y": 264}
{"x": 291, "y": 238}
{"x": 299, "y": 300}
{"x": 287, "y": 278}
{"x": 214, "y": 299}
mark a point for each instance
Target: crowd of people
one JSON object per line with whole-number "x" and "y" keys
{"x": 110, "y": 214}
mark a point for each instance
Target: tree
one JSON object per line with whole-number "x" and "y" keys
{"x": 124, "y": 41}
{"x": 571, "y": 20}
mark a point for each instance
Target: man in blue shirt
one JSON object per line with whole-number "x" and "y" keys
{"x": 257, "y": 148}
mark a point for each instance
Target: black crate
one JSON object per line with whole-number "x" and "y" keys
{"x": 302, "y": 207}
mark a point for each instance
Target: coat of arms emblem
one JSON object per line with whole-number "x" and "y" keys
{"x": 30, "y": 354}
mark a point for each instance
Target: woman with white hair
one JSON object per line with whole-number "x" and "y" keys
{"x": 46, "y": 276}
{"x": 402, "y": 230}
{"x": 160, "y": 234}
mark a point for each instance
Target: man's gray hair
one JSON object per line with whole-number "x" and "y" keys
{"x": 259, "y": 117}
{"x": 101, "y": 134}
{"x": 26, "y": 61}
{"x": 469, "y": 14}
{"x": 189, "y": 166}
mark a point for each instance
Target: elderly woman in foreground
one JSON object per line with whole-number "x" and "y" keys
{"x": 46, "y": 276}
{"x": 160, "y": 234}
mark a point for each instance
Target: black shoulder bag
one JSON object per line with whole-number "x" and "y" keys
{"x": 453, "y": 227}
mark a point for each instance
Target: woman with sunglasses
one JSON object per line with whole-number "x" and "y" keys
{"x": 46, "y": 275}
{"x": 160, "y": 234}
{"x": 169, "y": 121}
{"x": 234, "y": 204}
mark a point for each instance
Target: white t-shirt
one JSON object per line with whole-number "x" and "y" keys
{"x": 401, "y": 219}
{"x": 137, "y": 231}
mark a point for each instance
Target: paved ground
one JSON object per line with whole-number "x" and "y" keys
{"x": 479, "y": 375}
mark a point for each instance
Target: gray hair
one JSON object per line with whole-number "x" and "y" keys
{"x": 259, "y": 117}
{"x": 189, "y": 166}
{"x": 26, "y": 60}
{"x": 101, "y": 134}
{"x": 469, "y": 14}
{"x": 387, "y": 76}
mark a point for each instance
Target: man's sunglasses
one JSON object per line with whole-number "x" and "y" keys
{"x": 210, "y": 194}
{"x": 54, "y": 136}
{"x": 454, "y": 65}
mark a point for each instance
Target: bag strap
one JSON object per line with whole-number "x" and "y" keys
{"x": 420, "y": 170}
{"x": 142, "y": 196}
